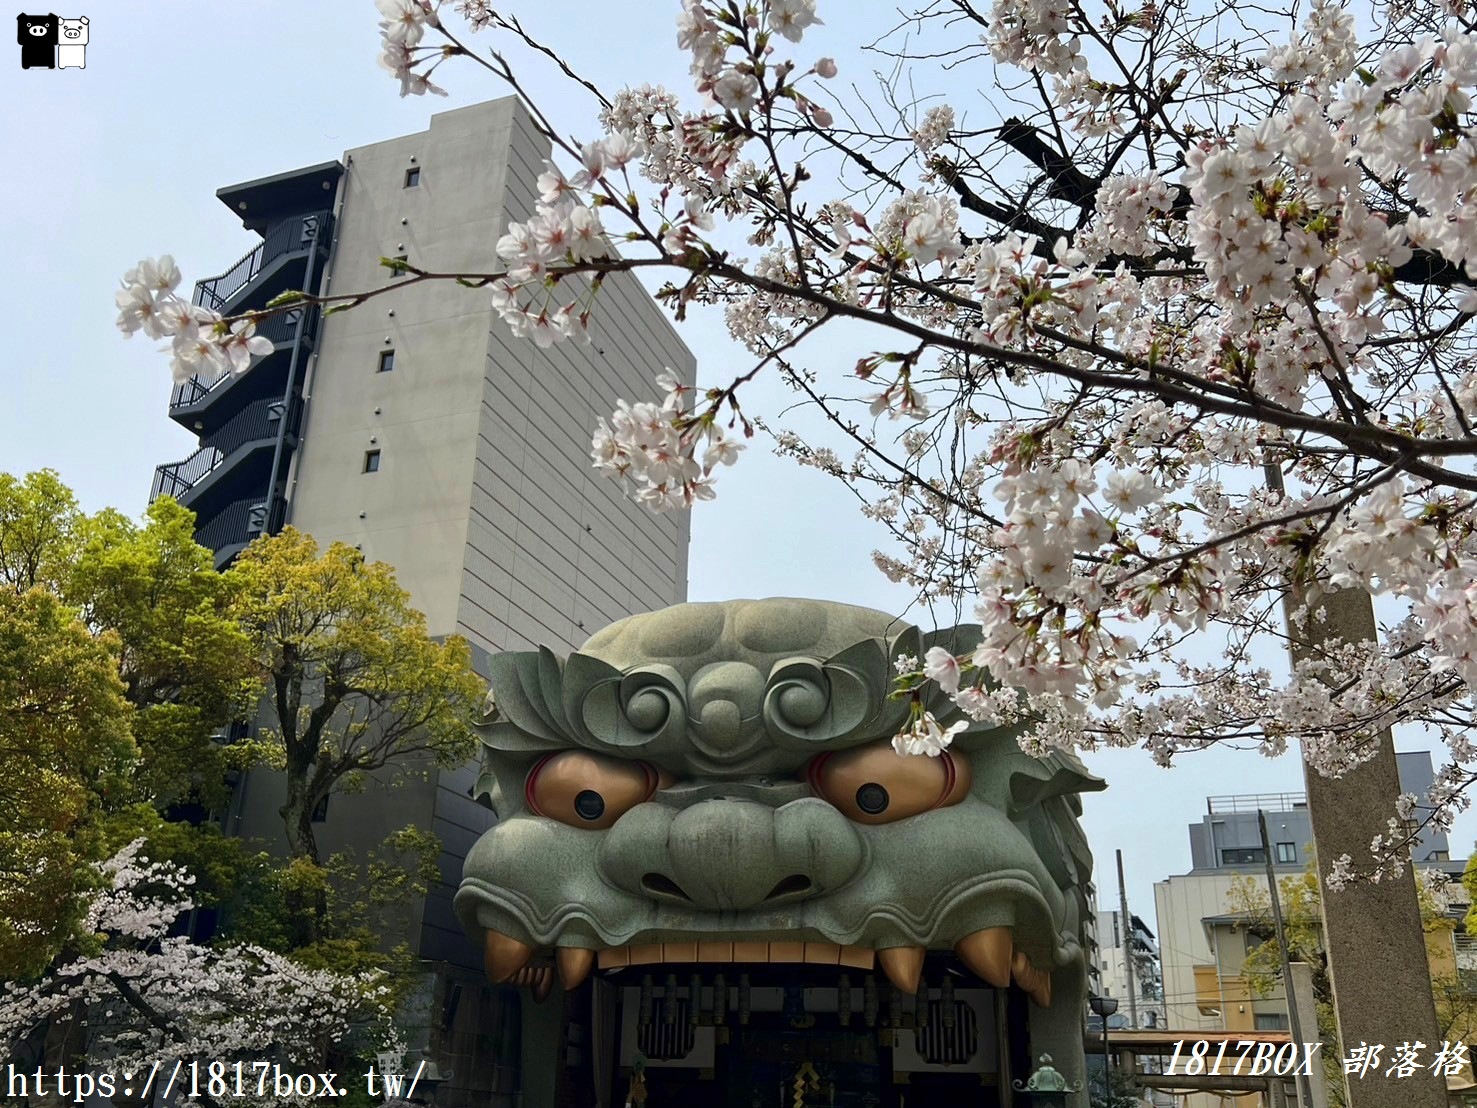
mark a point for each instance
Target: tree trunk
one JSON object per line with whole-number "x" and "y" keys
{"x": 297, "y": 818}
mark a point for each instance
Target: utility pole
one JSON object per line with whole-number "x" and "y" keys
{"x": 1377, "y": 964}
{"x": 1289, "y": 990}
{"x": 1127, "y": 925}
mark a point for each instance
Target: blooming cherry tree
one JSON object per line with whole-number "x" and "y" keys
{"x": 153, "y": 999}
{"x": 1185, "y": 339}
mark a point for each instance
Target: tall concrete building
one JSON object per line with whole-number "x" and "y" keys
{"x": 1120, "y": 947}
{"x": 417, "y": 429}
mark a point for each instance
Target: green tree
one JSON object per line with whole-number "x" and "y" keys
{"x": 186, "y": 665}
{"x": 1122, "y": 1091}
{"x": 124, "y": 659}
{"x": 153, "y": 592}
{"x": 39, "y": 522}
{"x": 354, "y": 684}
{"x": 65, "y": 753}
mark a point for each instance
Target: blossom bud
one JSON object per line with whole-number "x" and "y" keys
{"x": 825, "y": 68}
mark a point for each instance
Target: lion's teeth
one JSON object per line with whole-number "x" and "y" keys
{"x": 903, "y": 966}
{"x": 575, "y": 963}
{"x": 988, "y": 952}
{"x": 503, "y": 956}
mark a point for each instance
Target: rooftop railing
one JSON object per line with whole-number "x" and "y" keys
{"x": 1254, "y": 802}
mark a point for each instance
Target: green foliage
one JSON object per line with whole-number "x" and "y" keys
{"x": 354, "y": 683}
{"x": 65, "y": 751}
{"x": 1302, "y": 917}
{"x": 39, "y": 521}
{"x": 186, "y": 665}
{"x": 1302, "y": 921}
{"x": 151, "y": 592}
{"x": 1122, "y": 1091}
{"x": 332, "y": 916}
{"x": 1469, "y": 883}
{"x": 125, "y": 658}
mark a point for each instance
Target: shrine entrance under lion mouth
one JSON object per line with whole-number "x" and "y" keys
{"x": 777, "y": 1036}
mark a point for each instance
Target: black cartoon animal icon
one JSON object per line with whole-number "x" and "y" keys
{"x": 37, "y": 35}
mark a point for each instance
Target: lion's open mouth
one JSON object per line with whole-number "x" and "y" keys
{"x": 989, "y": 953}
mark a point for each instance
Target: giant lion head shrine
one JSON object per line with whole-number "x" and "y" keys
{"x": 704, "y": 827}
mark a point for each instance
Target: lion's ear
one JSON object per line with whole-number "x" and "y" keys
{"x": 526, "y": 713}
{"x": 1059, "y": 773}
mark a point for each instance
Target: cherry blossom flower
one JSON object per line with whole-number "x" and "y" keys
{"x": 926, "y": 736}
{"x": 156, "y": 999}
{"x": 791, "y": 17}
{"x": 942, "y": 667}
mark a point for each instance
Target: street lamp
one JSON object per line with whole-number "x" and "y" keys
{"x": 1105, "y": 1006}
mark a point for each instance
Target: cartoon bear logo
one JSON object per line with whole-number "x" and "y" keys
{"x": 71, "y": 51}
{"x": 37, "y": 35}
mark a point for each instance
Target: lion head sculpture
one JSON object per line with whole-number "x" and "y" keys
{"x": 717, "y": 782}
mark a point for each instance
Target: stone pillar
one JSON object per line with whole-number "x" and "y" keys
{"x": 1372, "y": 932}
{"x": 1058, "y": 1030}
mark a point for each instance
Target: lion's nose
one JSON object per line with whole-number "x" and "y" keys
{"x": 733, "y": 855}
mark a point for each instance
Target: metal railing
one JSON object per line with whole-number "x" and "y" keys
{"x": 1254, "y": 802}
{"x": 279, "y": 328}
{"x": 258, "y": 420}
{"x": 239, "y": 522}
{"x": 289, "y": 236}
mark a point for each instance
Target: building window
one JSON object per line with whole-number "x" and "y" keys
{"x": 413, "y": 177}
{"x": 320, "y": 810}
{"x": 1287, "y": 852}
{"x": 1271, "y": 1021}
{"x": 387, "y": 361}
{"x": 1244, "y": 856}
{"x": 371, "y": 461}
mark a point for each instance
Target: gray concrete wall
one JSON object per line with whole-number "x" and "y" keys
{"x": 556, "y": 551}
{"x": 484, "y": 501}
{"x": 422, "y": 416}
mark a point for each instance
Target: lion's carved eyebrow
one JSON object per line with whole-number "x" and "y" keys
{"x": 546, "y": 703}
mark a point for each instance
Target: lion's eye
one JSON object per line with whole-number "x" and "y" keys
{"x": 588, "y": 790}
{"x": 875, "y": 784}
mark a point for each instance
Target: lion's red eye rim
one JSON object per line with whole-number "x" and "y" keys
{"x": 874, "y": 784}
{"x": 586, "y": 790}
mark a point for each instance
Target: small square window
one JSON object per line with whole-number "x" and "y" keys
{"x": 371, "y": 461}
{"x": 398, "y": 271}
{"x": 413, "y": 177}
{"x": 387, "y": 361}
{"x": 1287, "y": 852}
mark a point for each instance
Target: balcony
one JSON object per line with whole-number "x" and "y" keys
{"x": 190, "y": 396}
{"x": 231, "y": 529}
{"x": 254, "y": 427}
{"x": 292, "y": 237}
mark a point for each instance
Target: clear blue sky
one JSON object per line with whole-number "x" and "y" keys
{"x": 121, "y": 160}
